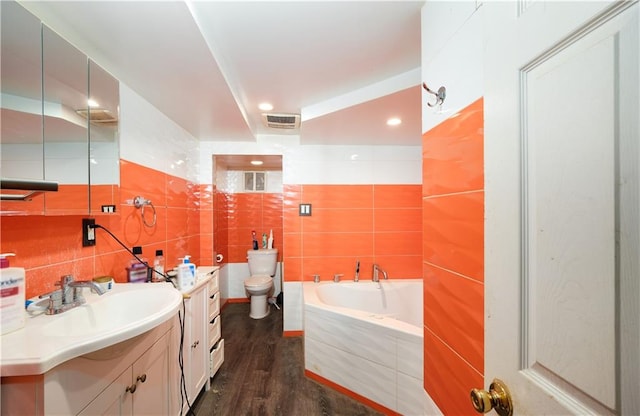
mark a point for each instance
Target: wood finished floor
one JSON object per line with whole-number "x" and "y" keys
{"x": 263, "y": 374}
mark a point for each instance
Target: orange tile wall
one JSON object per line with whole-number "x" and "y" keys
{"x": 453, "y": 267}
{"x": 51, "y": 246}
{"x": 371, "y": 223}
{"x": 241, "y": 213}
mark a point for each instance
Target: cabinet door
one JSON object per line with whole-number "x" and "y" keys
{"x": 198, "y": 348}
{"x": 152, "y": 379}
{"x": 115, "y": 400}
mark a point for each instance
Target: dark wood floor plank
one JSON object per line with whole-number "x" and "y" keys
{"x": 263, "y": 374}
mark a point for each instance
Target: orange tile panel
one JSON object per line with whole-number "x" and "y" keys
{"x": 292, "y": 269}
{"x": 327, "y": 267}
{"x": 453, "y": 158}
{"x": 338, "y": 220}
{"x": 397, "y": 196}
{"x": 238, "y": 254}
{"x": 179, "y": 193}
{"x": 193, "y": 222}
{"x": 206, "y": 221}
{"x": 401, "y": 267}
{"x": 398, "y": 219}
{"x": 70, "y": 199}
{"x": 292, "y": 221}
{"x": 338, "y": 196}
{"x": 177, "y": 222}
{"x": 398, "y": 243}
{"x": 206, "y": 194}
{"x": 337, "y": 244}
{"x": 454, "y": 311}
{"x": 42, "y": 280}
{"x": 103, "y": 195}
{"x": 248, "y": 202}
{"x": 292, "y": 245}
{"x": 138, "y": 180}
{"x": 442, "y": 364}
{"x": 454, "y": 233}
{"x": 245, "y": 219}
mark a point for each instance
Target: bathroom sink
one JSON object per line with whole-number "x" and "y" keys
{"x": 126, "y": 311}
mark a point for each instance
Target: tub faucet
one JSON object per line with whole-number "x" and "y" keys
{"x": 376, "y": 270}
{"x": 69, "y": 295}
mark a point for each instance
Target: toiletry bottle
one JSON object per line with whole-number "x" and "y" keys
{"x": 12, "y": 280}
{"x": 264, "y": 240}
{"x": 138, "y": 272}
{"x": 158, "y": 267}
{"x": 270, "y": 244}
{"x": 255, "y": 241}
{"x": 186, "y": 274}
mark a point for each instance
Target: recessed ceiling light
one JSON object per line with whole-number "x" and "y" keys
{"x": 92, "y": 103}
{"x": 394, "y": 121}
{"x": 265, "y": 106}
{"x": 256, "y": 162}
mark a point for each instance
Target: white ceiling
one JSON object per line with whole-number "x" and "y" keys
{"x": 345, "y": 66}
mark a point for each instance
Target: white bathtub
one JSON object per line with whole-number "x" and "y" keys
{"x": 368, "y": 338}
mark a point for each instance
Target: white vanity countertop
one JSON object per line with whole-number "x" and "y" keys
{"x": 127, "y": 310}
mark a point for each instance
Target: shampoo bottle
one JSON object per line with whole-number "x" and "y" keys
{"x": 12, "y": 298}
{"x": 270, "y": 239}
{"x": 186, "y": 275}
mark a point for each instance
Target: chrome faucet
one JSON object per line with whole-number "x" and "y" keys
{"x": 376, "y": 270}
{"x": 69, "y": 295}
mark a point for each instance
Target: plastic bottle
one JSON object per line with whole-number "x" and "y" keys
{"x": 158, "y": 267}
{"x": 137, "y": 271}
{"x": 270, "y": 244}
{"x": 264, "y": 240}
{"x": 12, "y": 303}
{"x": 186, "y": 275}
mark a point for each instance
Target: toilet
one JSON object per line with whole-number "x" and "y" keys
{"x": 262, "y": 267}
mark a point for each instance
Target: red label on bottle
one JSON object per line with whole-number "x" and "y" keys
{"x": 10, "y": 291}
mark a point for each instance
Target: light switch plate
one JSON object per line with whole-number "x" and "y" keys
{"x": 305, "y": 210}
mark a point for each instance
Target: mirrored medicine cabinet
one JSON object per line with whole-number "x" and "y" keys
{"x": 59, "y": 120}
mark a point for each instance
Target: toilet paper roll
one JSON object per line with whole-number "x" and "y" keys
{"x": 219, "y": 258}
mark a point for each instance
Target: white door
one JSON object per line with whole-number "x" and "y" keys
{"x": 562, "y": 231}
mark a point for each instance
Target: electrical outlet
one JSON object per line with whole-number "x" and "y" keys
{"x": 88, "y": 232}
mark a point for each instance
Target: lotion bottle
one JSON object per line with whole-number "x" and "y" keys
{"x": 12, "y": 280}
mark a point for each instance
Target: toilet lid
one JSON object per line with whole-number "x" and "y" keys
{"x": 258, "y": 280}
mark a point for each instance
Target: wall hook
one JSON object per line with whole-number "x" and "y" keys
{"x": 440, "y": 95}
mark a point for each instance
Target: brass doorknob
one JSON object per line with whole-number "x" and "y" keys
{"x": 498, "y": 398}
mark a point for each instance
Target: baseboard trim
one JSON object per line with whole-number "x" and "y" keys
{"x": 368, "y": 402}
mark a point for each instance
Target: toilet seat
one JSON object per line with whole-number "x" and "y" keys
{"x": 258, "y": 282}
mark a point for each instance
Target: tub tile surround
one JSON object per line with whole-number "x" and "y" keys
{"x": 350, "y": 223}
{"x": 453, "y": 268}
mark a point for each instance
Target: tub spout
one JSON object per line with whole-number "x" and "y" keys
{"x": 376, "y": 273}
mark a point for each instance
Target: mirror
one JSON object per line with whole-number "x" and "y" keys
{"x": 49, "y": 130}
{"x": 65, "y": 86}
{"x": 104, "y": 155}
{"x": 21, "y": 143}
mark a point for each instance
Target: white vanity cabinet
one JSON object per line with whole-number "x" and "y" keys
{"x": 133, "y": 377}
{"x": 194, "y": 347}
{"x": 142, "y": 389}
{"x": 216, "y": 344}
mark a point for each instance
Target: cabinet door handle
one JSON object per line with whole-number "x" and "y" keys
{"x": 131, "y": 389}
{"x": 141, "y": 378}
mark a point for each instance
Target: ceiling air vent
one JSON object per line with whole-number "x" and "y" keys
{"x": 281, "y": 121}
{"x": 98, "y": 115}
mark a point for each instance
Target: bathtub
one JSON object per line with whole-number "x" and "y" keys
{"x": 368, "y": 338}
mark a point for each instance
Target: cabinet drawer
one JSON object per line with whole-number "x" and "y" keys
{"x": 214, "y": 306}
{"x": 214, "y": 285}
{"x": 214, "y": 331}
{"x": 216, "y": 357}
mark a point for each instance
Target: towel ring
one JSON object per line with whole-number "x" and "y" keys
{"x": 140, "y": 202}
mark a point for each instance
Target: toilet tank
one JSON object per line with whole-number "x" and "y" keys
{"x": 262, "y": 261}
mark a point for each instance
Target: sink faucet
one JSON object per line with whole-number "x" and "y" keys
{"x": 69, "y": 295}
{"x": 376, "y": 270}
